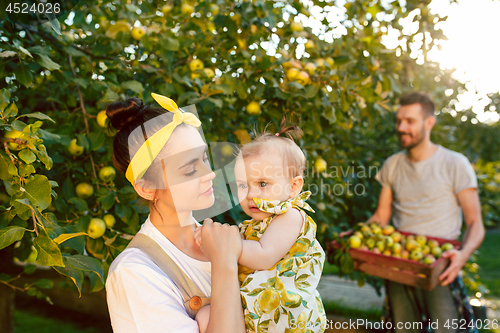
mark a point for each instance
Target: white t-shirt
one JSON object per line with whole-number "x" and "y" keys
{"x": 425, "y": 192}
{"x": 141, "y": 298}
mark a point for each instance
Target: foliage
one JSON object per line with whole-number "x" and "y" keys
{"x": 54, "y": 83}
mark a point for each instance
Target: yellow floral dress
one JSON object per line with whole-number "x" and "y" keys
{"x": 284, "y": 298}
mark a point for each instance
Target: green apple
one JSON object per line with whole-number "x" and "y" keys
{"x": 411, "y": 245}
{"x": 416, "y": 255}
{"x": 96, "y": 228}
{"x": 310, "y": 68}
{"x": 109, "y": 220}
{"x": 380, "y": 245}
{"x": 421, "y": 239}
{"x": 370, "y": 242}
{"x": 107, "y": 174}
{"x": 396, "y": 248}
{"x": 303, "y": 78}
{"x": 84, "y": 190}
{"x": 446, "y": 246}
{"x": 426, "y": 250}
{"x": 396, "y": 237}
{"x": 75, "y": 149}
{"x": 429, "y": 259}
{"x": 436, "y": 252}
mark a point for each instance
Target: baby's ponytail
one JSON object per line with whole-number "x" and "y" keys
{"x": 290, "y": 131}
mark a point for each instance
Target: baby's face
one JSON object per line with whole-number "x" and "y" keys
{"x": 261, "y": 177}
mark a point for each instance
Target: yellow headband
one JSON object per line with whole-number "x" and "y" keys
{"x": 146, "y": 154}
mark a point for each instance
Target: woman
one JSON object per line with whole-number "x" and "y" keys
{"x": 172, "y": 171}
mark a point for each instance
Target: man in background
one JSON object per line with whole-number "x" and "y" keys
{"x": 426, "y": 189}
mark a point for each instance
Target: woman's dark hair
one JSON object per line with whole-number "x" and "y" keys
{"x": 135, "y": 122}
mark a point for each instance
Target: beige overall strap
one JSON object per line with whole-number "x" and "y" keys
{"x": 193, "y": 298}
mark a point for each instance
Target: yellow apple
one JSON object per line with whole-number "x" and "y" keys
{"x": 187, "y": 9}
{"x": 96, "y": 228}
{"x": 253, "y": 108}
{"x": 321, "y": 206}
{"x": 446, "y": 247}
{"x": 429, "y": 260}
{"x": 209, "y": 72}
{"x": 320, "y": 165}
{"x": 387, "y": 230}
{"x": 74, "y": 149}
{"x": 436, "y": 252}
{"x": 421, "y": 240}
{"x": 138, "y": 32}
{"x": 329, "y": 61}
{"x": 107, "y": 174}
{"x": 310, "y": 68}
{"x": 253, "y": 29}
{"x": 320, "y": 62}
{"x": 195, "y": 65}
{"x": 165, "y": 9}
{"x": 102, "y": 118}
{"x": 242, "y": 44}
{"x": 214, "y": 9}
{"x": 109, "y": 220}
{"x": 303, "y": 78}
{"x": 14, "y": 134}
{"x": 227, "y": 150}
{"x": 396, "y": 236}
{"x": 296, "y": 26}
{"x": 84, "y": 190}
{"x": 242, "y": 136}
{"x": 416, "y": 255}
{"x": 354, "y": 242}
{"x": 309, "y": 44}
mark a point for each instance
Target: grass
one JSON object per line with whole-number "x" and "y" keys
{"x": 489, "y": 263}
{"x": 337, "y": 308}
{"x": 33, "y": 315}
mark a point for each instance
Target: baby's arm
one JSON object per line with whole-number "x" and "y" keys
{"x": 275, "y": 243}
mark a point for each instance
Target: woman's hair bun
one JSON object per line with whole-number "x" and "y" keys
{"x": 122, "y": 113}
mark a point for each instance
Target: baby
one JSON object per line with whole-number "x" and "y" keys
{"x": 281, "y": 261}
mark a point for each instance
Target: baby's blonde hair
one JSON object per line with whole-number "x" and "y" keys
{"x": 282, "y": 143}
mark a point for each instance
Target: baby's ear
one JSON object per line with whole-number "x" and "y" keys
{"x": 296, "y": 185}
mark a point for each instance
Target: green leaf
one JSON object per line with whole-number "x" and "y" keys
{"x": 10, "y": 235}
{"x": 44, "y": 284}
{"x": 255, "y": 292}
{"x": 171, "y": 44}
{"x": 85, "y": 263}
{"x": 11, "y": 110}
{"x": 37, "y": 190}
{"x": 49, "y": 253}
{"x": 74, "y": 274}
{"x": 46, "y": 62}
{"x": 4, "y": 99}
{"x": 80, "y": 204}
{"x": 23, "y": 75}
{"x": 56, "y": 26}
{"x": 42, "y": 155}
{"x": 5, "y": 162}
{"x": 135, "y": 86}
{"x": 64, "y": 237}
{"x": 27, "y": 156}
{"x": 123, "y": 211}
{"x": 39, "y": 115}
{"x": 26, "y": 169}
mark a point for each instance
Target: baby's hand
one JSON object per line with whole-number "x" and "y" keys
{"x": 197, "y": 236}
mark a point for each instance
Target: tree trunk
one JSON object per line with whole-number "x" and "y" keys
{"x": 7, "y": 293}
{"x": 6, "y": 309}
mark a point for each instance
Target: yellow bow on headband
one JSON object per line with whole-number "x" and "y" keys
{"x": 146, "y": 154}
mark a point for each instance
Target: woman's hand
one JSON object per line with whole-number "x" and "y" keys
{"x": 221, "y": 243}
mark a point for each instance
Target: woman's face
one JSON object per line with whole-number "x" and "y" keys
{"x": 187, "y": 171}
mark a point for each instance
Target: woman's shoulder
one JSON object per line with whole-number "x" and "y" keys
{"x": 132, "y": 260}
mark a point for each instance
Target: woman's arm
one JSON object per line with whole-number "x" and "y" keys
{"x": 221, "y": 243}
{"x": 274, "y": 244}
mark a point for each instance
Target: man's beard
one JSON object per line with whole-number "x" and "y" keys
{"x": 415, "y": 140}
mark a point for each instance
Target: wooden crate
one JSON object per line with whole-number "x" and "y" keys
{"x": 400, "y": 270}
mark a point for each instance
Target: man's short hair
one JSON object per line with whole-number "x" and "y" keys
{"x": 424, "y": 99}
